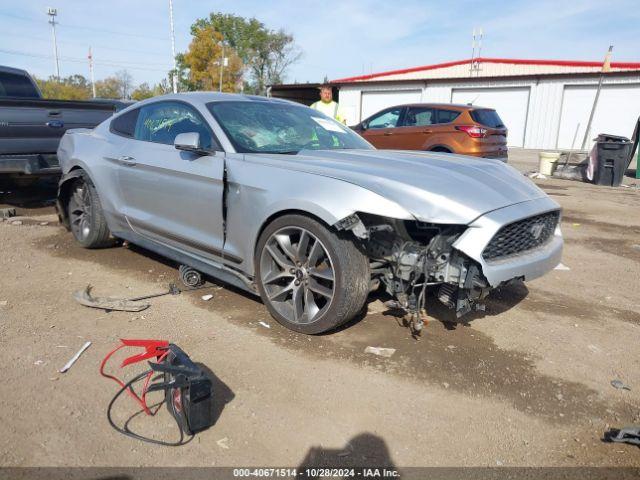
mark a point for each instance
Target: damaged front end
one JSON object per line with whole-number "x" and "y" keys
{"x": 408, "y": 256}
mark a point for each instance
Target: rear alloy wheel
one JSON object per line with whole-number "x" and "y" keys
{"x": 310, "y": 279}
{"x": 86, "y": 220}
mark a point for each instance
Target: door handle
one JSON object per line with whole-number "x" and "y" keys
{"x": 127, "y": 161}
{"x": 386, "y": 134}
{"x": 427, "y": 131}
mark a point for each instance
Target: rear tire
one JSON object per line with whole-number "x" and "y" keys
{"x": 86, "y": 219}
{"x": 310, "y": 279}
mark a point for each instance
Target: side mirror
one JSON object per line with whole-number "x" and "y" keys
{"x": 190, "y": 142}
{"x": 364, "y": 125}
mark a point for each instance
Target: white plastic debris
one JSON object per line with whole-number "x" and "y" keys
{"x": 207, "y": 297}
{"x": 264, "y": 324}
{"x": 561, "y": 266}
{"x": 222, "y": 443}
{"x": 380, "y": 351}
{"x": 537, "y": 175}
{"x": 75, "y": 358}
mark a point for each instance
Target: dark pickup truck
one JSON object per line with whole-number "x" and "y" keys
{"x": 31, "y": 127}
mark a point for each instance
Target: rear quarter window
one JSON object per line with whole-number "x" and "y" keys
{"x": 125, "y": 124}
{"x": 447, "y": 116}
{"x": 488, "y": 118}
{"x": 13, "y": 85}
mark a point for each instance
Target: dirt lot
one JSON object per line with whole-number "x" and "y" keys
{"x": 525, "y": 383}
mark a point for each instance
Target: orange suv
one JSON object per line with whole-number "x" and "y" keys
{"x": 461, "y": 129}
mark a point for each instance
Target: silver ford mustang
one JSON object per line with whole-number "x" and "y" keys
{"x": 284, "y": 202}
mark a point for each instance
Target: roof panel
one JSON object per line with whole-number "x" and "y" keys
{"x": 492, "y": 67}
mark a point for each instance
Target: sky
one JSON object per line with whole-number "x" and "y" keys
{"x": 338, "y": 38}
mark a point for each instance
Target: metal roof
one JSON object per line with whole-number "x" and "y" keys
{"x": 491, "y": 67}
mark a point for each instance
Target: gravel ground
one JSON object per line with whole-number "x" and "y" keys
{"x": 526, "y": 383}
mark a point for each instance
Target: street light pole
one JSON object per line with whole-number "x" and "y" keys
{"x": 52, "y": 12}
{"x": 224, "y": 62}
{"x": 606, "y": 67}
{"x": 221, "y": 67}
{"x": 173, "y": 49}
{"x": 93, "y": 80}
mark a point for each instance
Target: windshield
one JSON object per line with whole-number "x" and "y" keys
{"x": 271, "y": 127}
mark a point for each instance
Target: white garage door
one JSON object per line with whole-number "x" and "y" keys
{"x": 616, "y": 113}
{"x": 512, "y": 104}
{"x": 373, "y": 102}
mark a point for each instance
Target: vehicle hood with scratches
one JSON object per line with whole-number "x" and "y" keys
{"x": 433, "y": 187}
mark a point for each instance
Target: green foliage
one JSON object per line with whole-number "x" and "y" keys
{"x": 257, "y": 57}
{"x": 245, "y": 36}
{"x": 143, "y": 91}
{"x": 119, "y": 86}
{"x": 73, "y": 87}
{"x": 163, "y": 87}
{"x": 265, "y": 54}
{"x": 202, "y": 63}
{"x": 108, "y": 88}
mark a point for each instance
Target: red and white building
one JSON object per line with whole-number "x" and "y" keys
{"x": 544, "y": 103}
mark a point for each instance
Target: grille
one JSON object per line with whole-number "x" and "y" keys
{"x": 520, "y": 236}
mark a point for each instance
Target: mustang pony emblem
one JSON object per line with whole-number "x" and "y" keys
{"x": 536, "y": 230}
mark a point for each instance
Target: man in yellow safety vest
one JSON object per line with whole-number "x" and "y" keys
{"x": 327, "y": 106}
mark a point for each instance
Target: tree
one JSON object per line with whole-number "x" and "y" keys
{"x": 270, "y": 65}
{"x": 108, "y": 88}
{"x": 73, "y": 87}
{"x": 265, "y": 54}
{"x": 143, "y": 91}
{"x": 118, "y": 86}
{"x": 126, "y": 83}
{"x": 204, "y": 61}
{"x": 163, "y": 87}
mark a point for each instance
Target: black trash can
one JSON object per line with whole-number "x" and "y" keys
{"x": 612, "y": 157}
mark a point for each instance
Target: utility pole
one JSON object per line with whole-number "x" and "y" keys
{"x": 93, "y": 80}
{"x": 606, "y": 67}
{"x": 473, "y": 51}
{"x": 173, "y": 49}
{"x": 474, "y": 66}
{"x": 479, "y": 53}
{"x": 224, "y": 61}
{"x": 52, "y": 12}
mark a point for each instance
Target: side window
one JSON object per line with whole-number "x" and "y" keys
{"x": 388, "y": 119}
{"x": 161, "y": 122}
{"x": 419, "y": 117}
{"x": 125, "y": 125}
{"x": 447, "y": 116}
{"x": 12, "y": 85}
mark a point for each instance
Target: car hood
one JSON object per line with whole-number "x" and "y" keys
{"x": 433, "y": 187}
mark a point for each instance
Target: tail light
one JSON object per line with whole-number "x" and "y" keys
{"x": 473, "y": 131}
